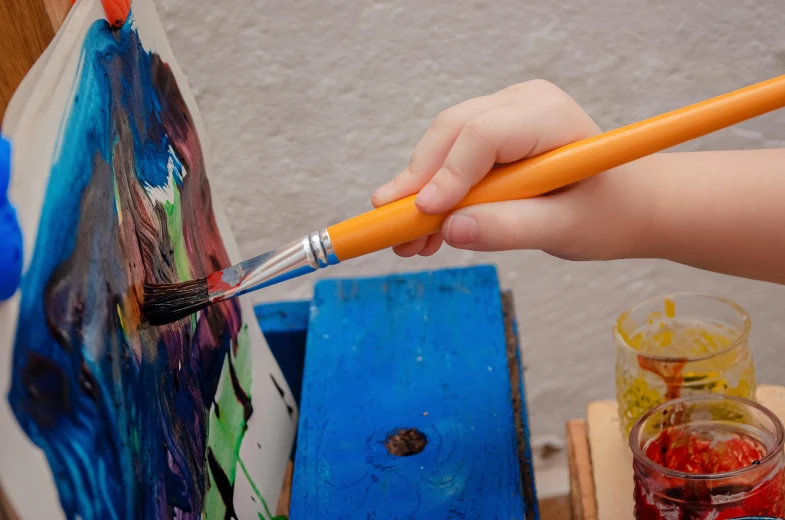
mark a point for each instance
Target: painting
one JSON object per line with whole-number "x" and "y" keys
{"x": 103, "y": 416}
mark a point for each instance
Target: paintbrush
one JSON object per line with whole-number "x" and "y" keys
{"x": 401, "y": 221}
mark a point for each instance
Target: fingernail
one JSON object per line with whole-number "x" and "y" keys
{"x": 426, "y": 196}
{"x": 383, "y": 189}
{"x": 461, "y": 230}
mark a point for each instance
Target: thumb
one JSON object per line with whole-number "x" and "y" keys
{"x": 534, "y": 223}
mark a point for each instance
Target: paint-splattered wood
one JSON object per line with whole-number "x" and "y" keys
{"x": 425, "y": 352}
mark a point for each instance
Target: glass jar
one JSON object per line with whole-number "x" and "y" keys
{"x": 708, "y": 457}
{"x": 679, "y": 345}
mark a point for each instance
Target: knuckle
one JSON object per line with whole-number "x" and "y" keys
{"x": 481, "y": 131}
{"x": 544, "y": 86}
{"x": 453, "y": 174}
{"x": 446, "y": 121}
{"x": 413, "y": 167}
{"x": 543, "y": 90}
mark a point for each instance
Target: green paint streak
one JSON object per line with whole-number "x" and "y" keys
{"x": 225, "y": 434}
{"x": 259, "y": 495}
{"x": 174, "y": 223}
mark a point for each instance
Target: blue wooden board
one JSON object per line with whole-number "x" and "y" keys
{"x": 285, "y": 325}
{"x": 424, "y": 351}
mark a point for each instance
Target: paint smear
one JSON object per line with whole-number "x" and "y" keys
{"x": 135, "y": 422}
{"x": 685, "y": 357}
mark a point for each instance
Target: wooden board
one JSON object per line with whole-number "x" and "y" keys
{"x": 607, "y": 465}
{"x": 519, "y": 405}
{"x": 424, "y": 351}
{"x": 584, "y": 505}
{"x": 27, "y": 28}
{"x": 285, "y": 325}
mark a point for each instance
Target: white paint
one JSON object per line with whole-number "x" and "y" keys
{"x": 325, "y": 100}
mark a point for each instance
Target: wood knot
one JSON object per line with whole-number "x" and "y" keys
{"x": 405, "y": 442}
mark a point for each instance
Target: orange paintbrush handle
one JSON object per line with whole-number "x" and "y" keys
{"x": 401, "y": 221}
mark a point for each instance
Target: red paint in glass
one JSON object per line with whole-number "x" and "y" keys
{"x": 751, "y": 493}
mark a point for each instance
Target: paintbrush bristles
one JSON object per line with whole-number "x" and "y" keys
{"x": 168, "y": 302}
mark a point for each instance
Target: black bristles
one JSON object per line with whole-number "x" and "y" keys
{"x": 168, "y": 302}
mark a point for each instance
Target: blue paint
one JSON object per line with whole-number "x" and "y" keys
{"x": 11, "y": 256}
{"x": 423, "y": 351}
{"x": 75, "y": 469}
{"x": 285, "y": 325}
{"x": 119, "y": 409}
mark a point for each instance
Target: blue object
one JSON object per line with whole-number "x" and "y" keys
{"x": 10, "y": 233}
{"x": 425, "y": 351}
{"x": 284, "y": 325}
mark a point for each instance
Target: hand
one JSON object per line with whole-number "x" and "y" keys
{"x": 10, "y": 234}
{"x": 603, "y": 217}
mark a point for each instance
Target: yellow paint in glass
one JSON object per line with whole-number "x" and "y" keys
{"x": 677, "y": 346}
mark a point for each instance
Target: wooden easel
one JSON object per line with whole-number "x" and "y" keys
{"x": 26, "y": 28}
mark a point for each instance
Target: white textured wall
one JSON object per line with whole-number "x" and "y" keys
{"x": 311, "y": 105}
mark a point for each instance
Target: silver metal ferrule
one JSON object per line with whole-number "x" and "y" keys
{"x": 303, "y": 256}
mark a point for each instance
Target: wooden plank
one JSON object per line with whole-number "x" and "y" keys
{"x": 550, "y": 508}
{"x": 285, "y": 498}
{"x": 555, "y": 508}
{"x": 517, "y": 382}
{"x": 423, "y": 351}
{"x": 584, "y": 505}
{"x": 27, "y": 28}
{"x": 285, "y": 325}
{"x": 606, "y": 444}
{"x": 6, "y": 510}
{"x": 612, "y": 472}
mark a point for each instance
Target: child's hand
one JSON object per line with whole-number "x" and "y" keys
{"x": 604, "y": 217}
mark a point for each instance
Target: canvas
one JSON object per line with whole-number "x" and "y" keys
{"x": 104, "y": 416}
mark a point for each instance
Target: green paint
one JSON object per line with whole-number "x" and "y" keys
{"x": 174, "y": 223}
{"x": 225, "y": 434}
{"x": 259, "y": 495}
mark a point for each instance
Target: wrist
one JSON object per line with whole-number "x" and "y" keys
{"x": 640, "y": 218}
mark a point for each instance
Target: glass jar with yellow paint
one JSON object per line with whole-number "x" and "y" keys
{"x": 680, "y": 345}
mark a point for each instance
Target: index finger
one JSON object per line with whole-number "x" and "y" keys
{"x": 435, "y": 144}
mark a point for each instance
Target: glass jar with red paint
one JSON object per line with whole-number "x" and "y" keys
{"x": 679, "y": 345}
{"x": 708, "y": 457}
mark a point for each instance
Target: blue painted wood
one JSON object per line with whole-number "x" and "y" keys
{"x": 424, "y": 351}
{"x": 284, "y": 325}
